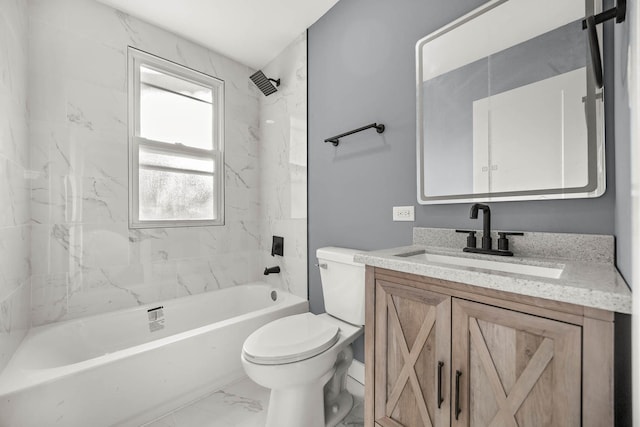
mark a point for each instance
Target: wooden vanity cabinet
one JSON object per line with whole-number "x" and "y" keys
{"x": 447, "y": 354}
{"x": 413, "y": 356}
{"x": 514, "y": 369}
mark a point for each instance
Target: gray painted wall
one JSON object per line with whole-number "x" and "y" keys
{"x": 622, "y": 219}
{"x": 622, "y": 224}
{"x": 361, "y": 70}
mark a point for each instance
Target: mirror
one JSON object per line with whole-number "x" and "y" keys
{"x": 507, "y": 106}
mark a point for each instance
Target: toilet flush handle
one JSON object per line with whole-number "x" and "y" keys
{"x": 321, "y": 265}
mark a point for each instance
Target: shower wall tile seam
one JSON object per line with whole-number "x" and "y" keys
{"x": 283, "y": 146}
{"x": 13, "y": 292}
{"x": 14, "y": 185}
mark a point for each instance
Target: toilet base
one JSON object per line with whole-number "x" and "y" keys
{"x": 324, "y": 403}
{"x": 298, "y": 406}
{"x": 337, "y": 400}
{"x": 338, "y": 409}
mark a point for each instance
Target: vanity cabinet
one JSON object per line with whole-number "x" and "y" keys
{"x": 447, "y": 354}
{"x": 513, "y": 369}
{"x": 413, "y": 351}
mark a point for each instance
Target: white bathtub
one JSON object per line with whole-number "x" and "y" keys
{"x": 111, "y": 369}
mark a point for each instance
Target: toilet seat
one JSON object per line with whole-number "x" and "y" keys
{"x": 290, "y": 339}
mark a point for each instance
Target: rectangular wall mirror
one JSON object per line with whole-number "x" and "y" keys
{"x": 507, "y": 106}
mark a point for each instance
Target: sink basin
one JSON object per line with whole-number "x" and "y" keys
{"x": 507, "y": 267}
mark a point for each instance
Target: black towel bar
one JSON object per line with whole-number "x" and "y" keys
{"x": 335, "y": 140}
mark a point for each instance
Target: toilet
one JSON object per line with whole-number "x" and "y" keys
{"x": 304, "y": 358}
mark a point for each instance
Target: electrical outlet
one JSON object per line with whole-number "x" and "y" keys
{"x": 404, "y": 213}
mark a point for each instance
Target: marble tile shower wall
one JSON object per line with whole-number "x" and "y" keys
{"x": 283, "y": 168}
{"x": 14, "y": 185}
{"x": 85, "y": 260}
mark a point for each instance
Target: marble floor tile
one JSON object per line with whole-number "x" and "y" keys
{"x": 241, "y": 404}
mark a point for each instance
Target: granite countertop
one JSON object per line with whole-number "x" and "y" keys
{"x": 589, "y": 276}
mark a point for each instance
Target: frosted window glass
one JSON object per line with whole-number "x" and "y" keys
{"x": 175, "y": 161}
{"x": 175, "y": 110}
{"x": 175, "y": 196}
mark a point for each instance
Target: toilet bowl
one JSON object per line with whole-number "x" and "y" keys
{"x": 298, "y": 379}
{"x": 304, "y": 358}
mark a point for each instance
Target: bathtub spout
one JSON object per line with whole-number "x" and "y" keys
{"x": 271, "y": 270}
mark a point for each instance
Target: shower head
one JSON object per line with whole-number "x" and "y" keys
{"x": 264, "y": 83}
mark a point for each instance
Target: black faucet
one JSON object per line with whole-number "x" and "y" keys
{"x": 503, "y": 242}
{"x": 271, "y": 270}
{"x": 486, "y": 223}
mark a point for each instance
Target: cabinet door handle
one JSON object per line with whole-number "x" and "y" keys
{"x": 440, "y": 398}
{"x": 458, "y": 410}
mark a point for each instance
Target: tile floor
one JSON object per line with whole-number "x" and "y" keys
{"x": 241, "y": 404}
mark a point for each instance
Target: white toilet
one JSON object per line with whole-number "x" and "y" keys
{"x": 304, "y": 358}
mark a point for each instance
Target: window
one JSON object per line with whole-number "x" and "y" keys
{"x": 176, "y": 140}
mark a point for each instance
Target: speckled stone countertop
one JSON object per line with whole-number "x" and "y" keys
{"x": 589, "y": 276}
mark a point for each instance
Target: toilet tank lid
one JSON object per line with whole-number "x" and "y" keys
{"x": 343, "y": 255}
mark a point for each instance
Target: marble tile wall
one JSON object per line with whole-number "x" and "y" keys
{"x": 85, "y": 260}
{"x": 15, "y": 284}
{"x": 283, "y": 168}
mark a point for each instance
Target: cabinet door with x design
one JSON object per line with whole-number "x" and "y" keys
{"x": 513, "y": 369}
{"x": 413, "y": 353}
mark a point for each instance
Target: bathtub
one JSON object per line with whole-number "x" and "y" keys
{"x": 128, "y": 367}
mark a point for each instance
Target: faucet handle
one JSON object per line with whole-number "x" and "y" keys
{"x": 471, "y": 238}
{"x": 503, "y": 242}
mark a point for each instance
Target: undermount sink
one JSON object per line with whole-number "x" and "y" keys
{"x": 507, "y": 267}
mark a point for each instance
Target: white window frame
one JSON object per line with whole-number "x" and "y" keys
{"x": 137, "y": 58}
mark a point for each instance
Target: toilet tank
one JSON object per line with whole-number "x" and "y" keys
{"x": 342, "y": 284}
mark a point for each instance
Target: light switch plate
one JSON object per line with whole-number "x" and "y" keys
{"x": 404, "y": 213}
